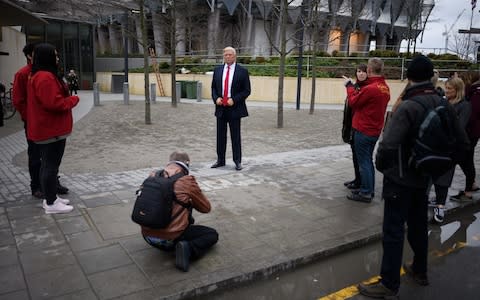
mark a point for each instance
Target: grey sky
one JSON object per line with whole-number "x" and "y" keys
{"x": 444, "y": 13}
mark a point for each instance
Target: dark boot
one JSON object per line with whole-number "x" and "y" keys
{"x": 61, "y": 190}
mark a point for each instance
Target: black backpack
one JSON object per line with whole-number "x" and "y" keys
{"x": 435, "y": 142}
{"x": 154, "y": 203}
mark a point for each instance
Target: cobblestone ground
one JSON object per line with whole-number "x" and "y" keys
{"x": 189, "y": 127}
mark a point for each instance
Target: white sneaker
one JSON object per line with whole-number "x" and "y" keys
{"x": 57, "y": 207}
{"x": 63, "y": 200}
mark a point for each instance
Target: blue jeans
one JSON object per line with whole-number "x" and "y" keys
{"x": 364, "y": 146}
{"x": 403, "y": 205}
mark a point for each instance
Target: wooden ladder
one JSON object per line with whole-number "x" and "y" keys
{"x": 153, "y": 57}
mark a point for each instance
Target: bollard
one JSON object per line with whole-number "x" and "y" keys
{"x": 199, "y": 91}
{"x": 126, "y": 95}
{"x": 96, "y": 94}
{"x": 153, "y": 92}
{"x": 178, "y": 89}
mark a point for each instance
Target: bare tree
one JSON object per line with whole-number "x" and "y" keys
{"x": 280, "y": 13}
{"x": 146, "y": 69}
{"x": 461, "y": 45}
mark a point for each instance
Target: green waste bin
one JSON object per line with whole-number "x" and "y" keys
{"x": 191, "y": 89}
{"x": 183, "y": 88}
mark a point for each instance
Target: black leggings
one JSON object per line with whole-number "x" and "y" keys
{"x": 468, "y": 165}
{"x": 51, "y": 157}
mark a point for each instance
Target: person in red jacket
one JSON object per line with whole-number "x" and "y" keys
{"x": 369, "y": 105}
{"x": 49, "y": 121}
{"x": 19, "y": 99}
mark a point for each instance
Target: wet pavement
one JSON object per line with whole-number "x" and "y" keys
{"x": 286, "y": 208}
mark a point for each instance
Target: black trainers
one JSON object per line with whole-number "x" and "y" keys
{"x": 359, "y": 197}
{"x": 182, "y": 256}
{"x": 61, "y": 190}
{"x": 419, "y": 278}
{"x": 377, "y": 290}
{"x": 438, "y": 214}
{"x": 38, "y": 194}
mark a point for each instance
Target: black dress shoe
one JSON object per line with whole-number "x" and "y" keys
{"x": 217, "y": 165}
{"x": 238, "y": 166}
{"x": 353, "y": 186}
{"x": 359, "y": 197}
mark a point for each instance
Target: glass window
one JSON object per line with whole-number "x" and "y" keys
{"x": 86, "y": 50}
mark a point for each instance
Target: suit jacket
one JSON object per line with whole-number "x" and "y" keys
{"x": 240, "y": 90}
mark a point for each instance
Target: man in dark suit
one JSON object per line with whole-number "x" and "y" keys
{"x": 230, "y": 89}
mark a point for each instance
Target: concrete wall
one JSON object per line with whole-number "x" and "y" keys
{"x": 12, "y": 42}
{"x": 328, "y": 90}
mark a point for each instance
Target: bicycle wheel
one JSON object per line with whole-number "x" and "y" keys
{"x": 8, "y": 108}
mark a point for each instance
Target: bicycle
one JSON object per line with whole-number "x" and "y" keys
{"x": 7, "y": 104}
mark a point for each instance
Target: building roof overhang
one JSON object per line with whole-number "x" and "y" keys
{"x": 14, "y": 15}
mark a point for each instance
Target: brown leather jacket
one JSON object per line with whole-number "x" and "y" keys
{"x": 187, "y": 191}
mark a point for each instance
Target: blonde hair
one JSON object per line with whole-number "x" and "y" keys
{"x": 459, "y": 87}
{"x": 230, "y": 49}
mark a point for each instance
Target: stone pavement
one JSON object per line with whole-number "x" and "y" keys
{"x": 287, "y": 207}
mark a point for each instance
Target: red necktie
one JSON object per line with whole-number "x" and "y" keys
{"x": 225, "y": 87}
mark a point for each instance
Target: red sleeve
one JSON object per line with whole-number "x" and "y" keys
{"x": 19, "y": 93}
{"x": 356, "y": 99}
{"x": 48, "y": 91}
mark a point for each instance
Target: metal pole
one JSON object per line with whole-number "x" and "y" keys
{"x": 403, "y": 68}
{"x": 125, "y": 47}
{"x": 153, "y": 92}
{"x": 126, "y": 95}
{"x": 96, "y": 94}
{"x": 178, "y": 89}
{"x": 199, "y": 91}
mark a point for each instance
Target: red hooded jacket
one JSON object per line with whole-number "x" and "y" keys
{"x": 49, "y": 107}
{"x": 369, "y": 105}
{"x": 19, "y": 92}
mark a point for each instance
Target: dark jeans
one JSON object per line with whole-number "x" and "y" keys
{"x": 403, "y": 204}
{"x": 356, "y": 168}
{"x": 234, "y": 125}
{"x": 200, "y": 239}
{"x": 468, "y": 165}
{"x": 51, "y": 156}
{"x": 364, "y": 146}
{"x": 34, "y": 164}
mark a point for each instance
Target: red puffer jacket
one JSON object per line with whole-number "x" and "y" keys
{"x": 49, "y": 107}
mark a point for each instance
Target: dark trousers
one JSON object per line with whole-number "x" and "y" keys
{"x": 356, "y": 168}
{"x": 468, "y": 165}
{"x": 51, "y": 157}
{"x": 403, "y": 205}
{"x": 234, "y": 125}
{"x": 364, "y": 146}
{"x": 200, "y": 239}
{"x": 34, "y": 164}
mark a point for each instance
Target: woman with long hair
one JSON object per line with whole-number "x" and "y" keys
{"x": 455, "y": 95}
{"x": 49, "y": 121}
{"x": 347, "y": 134}
{"x": 472, "y": 95}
